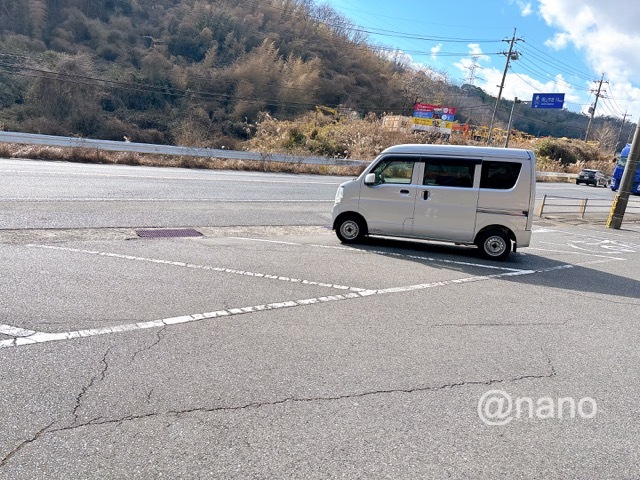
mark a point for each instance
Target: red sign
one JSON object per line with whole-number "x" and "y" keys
{"x": 427, "y": 107}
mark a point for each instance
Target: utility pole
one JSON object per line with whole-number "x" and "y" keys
{"x": 511, "y": 55}
{"x": 621, "y": 200}
{"x": 515, "y": 100}
{"x": 595, "y": 105}
{"x": 615, "y": 146}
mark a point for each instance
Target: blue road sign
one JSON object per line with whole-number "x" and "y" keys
{"x": 547, "y": 100}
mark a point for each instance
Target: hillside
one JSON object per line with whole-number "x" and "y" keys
{"x": 199, "y": 73}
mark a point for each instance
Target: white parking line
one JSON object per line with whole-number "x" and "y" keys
{"x": 591, "y": 234}
{"x": 382, "y": 252}
{"x": 200, "y": 267}
{"x": 569, "y": 252}
{"x": 16, "y": 331}
{"x": 44, "y": 337}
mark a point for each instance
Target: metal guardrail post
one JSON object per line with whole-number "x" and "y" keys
{"x": 544, "y": 199}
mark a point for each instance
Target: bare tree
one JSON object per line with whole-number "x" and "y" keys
{"x": 606, "y": 135}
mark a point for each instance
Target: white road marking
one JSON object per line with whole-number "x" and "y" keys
{"x": 199, "y": 267}
{"x": 595, "y": 262}
{"x": 267, "y": 241}
{"x": 613, "y": 245}
{"x": 381, "y": 252}
{"x": 156, "y": 200}
{"x": 44, "y": 337}
{"x": 207, "y": 178}
{"x": 15, "y": 331}
{"x": 594, "y": 235}
{"x": 568, "y": 252}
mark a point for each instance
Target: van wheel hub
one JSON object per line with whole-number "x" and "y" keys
{"x": 350, "y": 229}
{"x": 494, "y": 245}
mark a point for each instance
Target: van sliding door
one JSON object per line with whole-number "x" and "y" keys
{"x": 446, "y": 199}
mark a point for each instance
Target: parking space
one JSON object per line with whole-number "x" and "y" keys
{"x": 79, "y": 289}
{"x": 286, "y": 346}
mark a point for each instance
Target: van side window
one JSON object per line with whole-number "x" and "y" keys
{"x": 499, "y": 175}
{"x": 449, "y": 173}
{"x": 394, "y": 170}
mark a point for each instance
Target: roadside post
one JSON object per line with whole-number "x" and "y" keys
{"x": 621, "y": 199}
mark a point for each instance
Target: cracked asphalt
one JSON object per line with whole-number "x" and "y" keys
{"x": 273, "y": 351}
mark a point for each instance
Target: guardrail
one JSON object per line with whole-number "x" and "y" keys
{"x": 74, "y": 142}
{"x": 553, "y": 205}
{"x": 568, "y": 176}
{"x": 111, "y": 145}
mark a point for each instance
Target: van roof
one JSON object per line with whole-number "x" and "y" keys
{"x": 466, "y": 150}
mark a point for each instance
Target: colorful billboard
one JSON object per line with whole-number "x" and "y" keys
{"x": 434, "y": 118}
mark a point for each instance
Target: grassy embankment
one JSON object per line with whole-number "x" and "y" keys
{"x": 321, "y": 136}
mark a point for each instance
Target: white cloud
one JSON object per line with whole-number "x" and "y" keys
{"x": 475, "y": 50}
{"x": 607, "y": 34}
{"x": 476, "y": 57}
{"x": 559, "y": 41}
{"x": 525, "y": 7}
{"x": 435, "y": 50}
{"x": 523, "y": 86}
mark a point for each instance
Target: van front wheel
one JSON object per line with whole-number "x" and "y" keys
{"x": 495, "y": 245}
{"x": 350, "y": 229}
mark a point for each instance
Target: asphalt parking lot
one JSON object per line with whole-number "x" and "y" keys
{"x": 269, "y": 352}
{"x": 267, "y": 349}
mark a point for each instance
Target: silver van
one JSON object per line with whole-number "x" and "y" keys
{"x": 480, "y": 196}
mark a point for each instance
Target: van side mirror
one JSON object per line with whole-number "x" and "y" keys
{"x": 370, "y": 179}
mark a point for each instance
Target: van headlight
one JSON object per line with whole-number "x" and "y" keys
{"x": 339, "y": 195}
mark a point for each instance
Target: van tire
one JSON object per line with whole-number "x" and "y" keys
{"x": 494, "y": 244}
{"x": 350, "y": 229}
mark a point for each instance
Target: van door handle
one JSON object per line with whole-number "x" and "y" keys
{"x": 425, "y": 194}
{"x": 404, "y": 191}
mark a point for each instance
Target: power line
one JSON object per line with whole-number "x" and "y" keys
{"x": 539, "y": 71}
{"x": 545, "y": 58}
{"x": 421, "y": 22}
{"x": 169, "y": 91}
{"x": 431, "y": 54}
{"x": 383, "y": 32}
{"x": 525, "y": 81}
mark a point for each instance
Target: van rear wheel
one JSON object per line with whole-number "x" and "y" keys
{"x": 350, "y": 229}
{"x": 494, "y": 244}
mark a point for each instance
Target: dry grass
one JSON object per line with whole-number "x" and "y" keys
{"x": 365, "y": 139}
{"x": 85, "y": 155}
{"x": 320, "y": 135}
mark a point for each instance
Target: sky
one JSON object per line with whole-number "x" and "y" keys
{"x": 564, "y": 46}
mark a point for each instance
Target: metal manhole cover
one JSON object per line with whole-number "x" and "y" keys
{"x": 168, "y": 233}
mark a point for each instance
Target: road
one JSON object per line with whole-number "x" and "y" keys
{"x": 266, "y": 349}
{"x": 124, "y": 196}
{"x": 107, "y": 196}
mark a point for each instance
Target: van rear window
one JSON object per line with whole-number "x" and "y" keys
{"x": 499, "y": 175}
